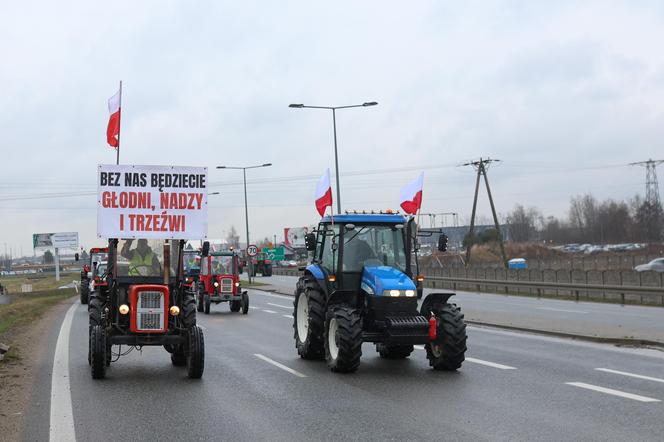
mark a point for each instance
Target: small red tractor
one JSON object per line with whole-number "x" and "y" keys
{"x": 219, "y": 281}
{"x": 89, "y": 273}
{"x": 192, "y": 268}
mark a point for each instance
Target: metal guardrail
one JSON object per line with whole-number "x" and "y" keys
{"x": 625, "y": 292}
{"x": 608, "y": 292}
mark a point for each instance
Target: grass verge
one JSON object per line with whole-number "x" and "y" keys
{"x": 38, "y": 281}
{"x": 28, "y": 307}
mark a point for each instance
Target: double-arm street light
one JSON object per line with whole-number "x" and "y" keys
{"x": 246, "y": 210}
{"x": 334, "y": 124}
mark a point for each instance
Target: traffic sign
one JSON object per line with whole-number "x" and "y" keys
{"x": 276, "y": 254}
{"x": 252, "y": 250}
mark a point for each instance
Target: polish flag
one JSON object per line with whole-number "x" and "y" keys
{"x": 411, "y": 195}
{"x": 323, "y": 193}
{"x": 113, "y": 129}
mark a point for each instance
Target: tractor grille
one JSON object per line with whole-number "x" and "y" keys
{"x": 226, "y": 285}
{"x": 150, "y": 311}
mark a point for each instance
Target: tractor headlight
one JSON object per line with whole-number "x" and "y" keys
{"x": 174, "y": 311}
{"x": 216, "y": 284}
{"x": 237, "y": 284}
{"x": 395, "y": 292}
{"x": 123, "y": 309}
{"x": 410, "y": 292}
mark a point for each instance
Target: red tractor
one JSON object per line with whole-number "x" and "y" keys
{"x": 97, "y": 256}
{"x": 219, "y": 281}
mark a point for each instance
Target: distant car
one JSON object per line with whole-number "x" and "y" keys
{"x": 656, "y": 265}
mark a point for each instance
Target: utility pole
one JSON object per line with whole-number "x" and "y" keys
{"x": 481, "y": 166}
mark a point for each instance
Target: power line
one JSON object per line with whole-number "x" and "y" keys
{"x": 652, "y": 187}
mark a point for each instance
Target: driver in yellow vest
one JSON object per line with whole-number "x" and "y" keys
{"x": 142, "y": 260}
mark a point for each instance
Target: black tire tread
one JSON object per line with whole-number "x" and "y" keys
{"x": 98, "y": 352}
{"x": 196, "y": 353}
{"x": 349, "y": 339}
{"x": 312, "y": 347}
{"x": 452, "y": 328}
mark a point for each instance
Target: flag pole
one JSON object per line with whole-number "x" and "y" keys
{"x": 117, "y": 156}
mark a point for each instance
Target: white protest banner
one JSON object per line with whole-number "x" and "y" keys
{"x": 163, "y": 202}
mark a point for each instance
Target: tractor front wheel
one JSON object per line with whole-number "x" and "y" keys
{"x": 235, "y": 306}
{"x": 309, "y": 320}
{"x": 85, "y": 292}
{"x": 189, "y": 310}
{"x": 206, "y": 301}
{"x": 98, "y": 352}
{"x": 448, "y": 351}
{"x": 394, "y": 351}
{"x": 245, "y": 303}
{"x": 179, "y": 357}
{"x": 343, "y": 339}
{"x": 196, "y": 353}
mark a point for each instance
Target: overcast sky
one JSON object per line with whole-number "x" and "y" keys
{"x": 564, "y": 93}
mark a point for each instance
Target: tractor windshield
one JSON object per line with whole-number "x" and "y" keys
{"x": 97, "y": 258}
{"x": 381, "y": 245}
{"x": 192, "y": 263}
{"x": 144, "y": 257}
{"x": 222, "y": 265}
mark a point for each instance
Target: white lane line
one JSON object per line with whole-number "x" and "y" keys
{"x": 282, "y": 366}
{"x": 255, "y": 308}
{"x": 269, "y": 311}
{"x": 551, "y": 309}
{"x": 62, "y": 417}
{"x": 288, "y": 316}
{"x": 490, "y": 364}
{"x": 282, "y": 306}
{"x": 610, "y": 391}
{"x": 631, "y": 375}
{"x": 272, "y": 295}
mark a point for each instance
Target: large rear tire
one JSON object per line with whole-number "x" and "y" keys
{"x": 448, "y": 351}
{"x": 189, "y": 310}
{"x": 199, "y": 299}
{"x": 343, "y": 339}
{"x": 98, "y": 352}
{"x": 309, "y": 319}
{"x": 394, "y": 351}
{"x": 245, "y": 303}
{"x": 206, "y": 302}
{"x": 196, "y": 353}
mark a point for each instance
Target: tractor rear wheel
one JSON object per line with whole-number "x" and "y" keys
{"x": 179, "y": 357}
{"x": 199, "y": 299}
{"x": 245, "y": 303}
{"x": 189, "y": 310}
{"x": 394, "y": 351}
{"x": 309, "y": 320}
{"x": 206, "y": 301}
{"x": 235, "y": 306}
{"x": 343, "y": 339}
{"x": 98, "y": 352}
{"x": 448, "y": 351}
{"x": 196, "y": 353}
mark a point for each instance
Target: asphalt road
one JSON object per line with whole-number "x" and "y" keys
{"x": 586, "y": 318}
{"x": 513, "y": 386}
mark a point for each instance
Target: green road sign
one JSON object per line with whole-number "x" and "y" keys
{"x": 274, "y": 254}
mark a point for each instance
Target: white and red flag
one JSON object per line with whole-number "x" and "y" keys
{"x": 411, "y": 195}
{"x": 323, "y": 193}
{"x": 113, "y": 129}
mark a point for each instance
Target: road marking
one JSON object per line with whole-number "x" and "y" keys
{"x": 255, "y": 308}
{"x": 62, "y": 417}
{"x": 610, "y": 391}
{"x": 282, "y": 306}
{"x": 269, "y": 311}
{"x": 490, "y": 364}
{"x": 288, "y": 316}
{"x": 262, "y": 293}
{"x": 551, "y": 309}
{"x": 632, "y": 375}
{"x": 278, "y": 365}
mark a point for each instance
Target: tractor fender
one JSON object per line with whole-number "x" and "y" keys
{"x": 313, "y": 273}
{"x": 434, "y": 302}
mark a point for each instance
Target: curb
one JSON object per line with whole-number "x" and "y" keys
{"x": 625, "y": 342}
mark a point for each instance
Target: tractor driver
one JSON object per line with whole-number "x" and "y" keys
{"x": 356, "y": 252}
{"x": 142, "y": 260}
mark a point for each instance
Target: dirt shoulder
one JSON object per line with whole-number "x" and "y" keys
{"x": 24, "y": 324}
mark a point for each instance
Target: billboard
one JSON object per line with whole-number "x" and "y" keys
{"x": 61, "y": 240}
{"x": 294, "y": 236}
{"x": 162, "y": 202}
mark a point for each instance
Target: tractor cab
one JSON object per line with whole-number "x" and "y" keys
{"x": 90, "y": 276}
{"x": 191, "y": 260}
{"x": 362, "y": 286}
{"x": 220, "y": 282}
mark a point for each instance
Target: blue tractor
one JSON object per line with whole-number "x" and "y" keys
{"x": 362, "y": 286}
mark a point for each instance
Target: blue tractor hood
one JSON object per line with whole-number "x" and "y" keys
{"x": 377, "y": 279}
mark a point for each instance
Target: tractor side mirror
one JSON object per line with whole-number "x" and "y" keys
{"x": 310, "y": 241}
{"x": 76, "y": 256}
{"x": 205, "y": 250}
{"x": 442, "y": 243}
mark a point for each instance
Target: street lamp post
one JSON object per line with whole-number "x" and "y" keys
{"x": 246, "y": 210}
{"x": 334, "y": 125}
